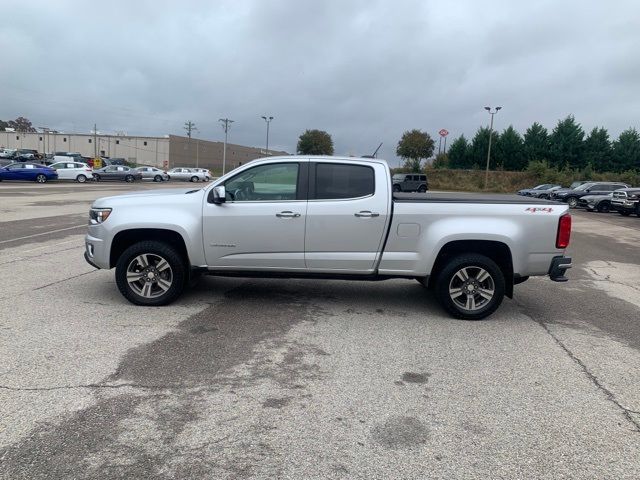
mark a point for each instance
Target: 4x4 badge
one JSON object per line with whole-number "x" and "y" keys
{"x": 539, "y": 209}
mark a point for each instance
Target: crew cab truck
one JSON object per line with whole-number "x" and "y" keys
{"x": 328, "y": 217}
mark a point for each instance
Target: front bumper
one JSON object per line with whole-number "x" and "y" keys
{"x": 623, "y": 206}
{"x": 96, "y": 252}
{"x": 559, "y": 265}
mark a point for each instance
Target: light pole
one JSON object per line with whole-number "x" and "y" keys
{"x": 486, "y": 174}
{"x": 268, "y": 120}
{"x": 225, "y": 126}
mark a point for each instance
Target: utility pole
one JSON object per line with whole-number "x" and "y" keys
{"x": 190, "y": 127}
{"x": 95, "y": 141}
{"x": 486, "y": 173}
{"x": 268, "y": 120}
{"x": 226, "y": 123}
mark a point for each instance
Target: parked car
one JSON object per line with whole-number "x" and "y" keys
{"x": 577, "y": 183}
{"x": 207, "y": 173}
{"x": 30, "y": 172}
{"x": 186, "y": 175}
{"x": 116, "y": 172}
{"x": 7, "y": 152}
{"x": 541, "y": 191}
{"x": 571, "y": 196}
{"x": 69, "y": 170}
{"x": 626, "y": 201}
{"x": 410, "y": 182}
{"x": 28, "y": 154}
{"x": 596, "y": 203}
{"x": 153, "y": 173}
{"x": 330, "y": 217}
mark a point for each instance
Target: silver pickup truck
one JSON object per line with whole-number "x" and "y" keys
{"x": 328, "y": 217}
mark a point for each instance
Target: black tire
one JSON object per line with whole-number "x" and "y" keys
{"x": 96, "y": 177}
{"x": 172, "y": 277}
{"x": 157, "y": 178}
{"x": 40, "y": 178}
{"x": 544, "y": 196}
{"x": 625, "y": 213}
{"x": 194, "y": 179}
{"x": 572, "y": 202}
{"x": 604, "y": 207}
{"x": 129, "y": 179}
{"x": 449, "y": 280}
{"x": 396, "y": 188}
{"x": 81, "y": 178}
{"x": 422, "y": 189}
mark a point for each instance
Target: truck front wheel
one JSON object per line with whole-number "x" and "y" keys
{"x": 150, "y": 273}
{"x": 470, "y": 286}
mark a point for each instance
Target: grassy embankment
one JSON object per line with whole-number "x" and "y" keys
{"x": 509, "y": 182}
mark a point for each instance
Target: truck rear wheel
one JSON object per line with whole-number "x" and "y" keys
{"x": 470, "y": 286}
{"x": 150, "y": 273}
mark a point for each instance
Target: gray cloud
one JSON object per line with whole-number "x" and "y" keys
{"x": 365, "y": 71}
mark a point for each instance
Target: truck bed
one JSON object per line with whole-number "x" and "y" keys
{"x": 463, "y": 197}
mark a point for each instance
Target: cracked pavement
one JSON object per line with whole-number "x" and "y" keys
{"x": 312, "y": 379}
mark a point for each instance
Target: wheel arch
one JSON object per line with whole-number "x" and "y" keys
{"x": 497, "y": 251}
{"x": 125, "y": 238}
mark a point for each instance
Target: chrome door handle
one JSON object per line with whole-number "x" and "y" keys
{"x": 287, "y": 214}
{"x": 366, "y": 213}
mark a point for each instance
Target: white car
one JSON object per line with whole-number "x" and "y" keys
{"x": 78, "y": 171}
{"x": 186, "y": 175}
{"x": 207, "y": 173}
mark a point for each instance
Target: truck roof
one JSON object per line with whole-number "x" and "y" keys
{"x": 319, "y": 157}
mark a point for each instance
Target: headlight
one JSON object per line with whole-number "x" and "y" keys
{"x": 98, "y": 215}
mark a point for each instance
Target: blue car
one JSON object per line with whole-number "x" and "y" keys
{"x": 30, "y": 172}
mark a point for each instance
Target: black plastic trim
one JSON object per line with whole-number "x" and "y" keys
{"x": 558, "y": 267}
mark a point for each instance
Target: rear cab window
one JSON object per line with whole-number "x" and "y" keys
{"x": 335, "y": 181}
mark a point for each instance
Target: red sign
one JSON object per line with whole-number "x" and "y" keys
{"x": 443, "y": 132}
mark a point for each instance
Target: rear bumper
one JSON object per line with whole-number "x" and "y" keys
{"x": 559, "y": 266}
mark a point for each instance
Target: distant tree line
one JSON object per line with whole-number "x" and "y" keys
{"x": 566, "y": 147}
{"x": 20, "y": 124}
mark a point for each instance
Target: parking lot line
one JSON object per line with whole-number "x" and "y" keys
{"x": 43, "y": 233}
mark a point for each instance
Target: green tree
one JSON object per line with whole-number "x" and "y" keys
{"x": 459, "y": 153}
{"x": 566, "y": 144}
{"x": 536, "y": 143}
{"x": 441, "y": 161}
{"x": 597, "y": 150}
{"x": 413, "y": 147}
{"x": 480, "y": 146}
{"x": 509, "y": 152}
{"x": 3, "y": 125}
{"x": 315, "y": 142}
{"x": 626, "y": 151}
{"x": 21, "y": 124}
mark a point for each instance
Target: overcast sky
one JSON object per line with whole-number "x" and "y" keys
{"x": 365, "y": 71}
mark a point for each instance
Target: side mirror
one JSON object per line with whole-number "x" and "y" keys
{"x": 219, "y": 195}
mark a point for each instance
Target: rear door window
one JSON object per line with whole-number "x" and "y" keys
{"x": 339, "y": 181}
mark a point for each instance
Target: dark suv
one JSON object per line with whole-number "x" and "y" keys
{"x": 626, "y": 201}
{"x": 571, "y": 196}
{"x": 410, "y": 182}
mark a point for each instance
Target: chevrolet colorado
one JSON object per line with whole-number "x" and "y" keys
{"x": 328, "y": 217}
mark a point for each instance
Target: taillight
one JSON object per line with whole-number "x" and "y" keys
{"x": 564, "y": 231}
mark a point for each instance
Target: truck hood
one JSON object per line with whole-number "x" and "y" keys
{"x": 134, "y": 197}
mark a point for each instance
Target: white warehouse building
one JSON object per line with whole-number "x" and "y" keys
{"x": 164, "y": 152}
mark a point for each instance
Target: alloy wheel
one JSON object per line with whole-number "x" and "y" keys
{"x": 149, "y": 275}
{"x": 471, "y": 288}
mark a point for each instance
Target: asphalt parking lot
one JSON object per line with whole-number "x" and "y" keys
{"x": 309, "y": 379}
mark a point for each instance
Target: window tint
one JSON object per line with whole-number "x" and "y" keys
{"x": 273, "y": 182}
{"x": 336, "y": 180}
